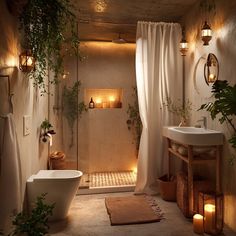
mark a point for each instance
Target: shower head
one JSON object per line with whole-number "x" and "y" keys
{"x": 119, "y": 40}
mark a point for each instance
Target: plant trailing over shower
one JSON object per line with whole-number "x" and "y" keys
{"x": 177, "y": 108}
{"x": 49, "y": 30}
{"x": 208, "y": 6}
{"x": 36, "y": 223}
{"x": 134, "y": 122}
{"x": 225, "y": 106}
{"x": 72, "y": 108}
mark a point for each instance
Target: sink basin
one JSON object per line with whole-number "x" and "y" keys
{"x": 194, "y": 136}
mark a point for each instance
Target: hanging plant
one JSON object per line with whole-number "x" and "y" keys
{"x": 134, "y": 122}
{"x": 49, "y": 30}
{"x": 72, "y": 108}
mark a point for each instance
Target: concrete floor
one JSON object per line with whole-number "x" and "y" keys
{"x": 88, "y": 217}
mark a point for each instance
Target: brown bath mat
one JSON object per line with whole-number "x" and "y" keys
{"x": 132, "y": 210}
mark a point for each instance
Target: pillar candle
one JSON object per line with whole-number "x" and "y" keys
{"x": 209, "y": 218}
{"x": 198, "y": 224}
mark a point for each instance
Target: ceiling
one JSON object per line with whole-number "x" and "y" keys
{"x": 103, "y": 20}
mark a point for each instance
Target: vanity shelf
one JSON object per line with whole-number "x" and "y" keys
{"x": 191, "y": 159}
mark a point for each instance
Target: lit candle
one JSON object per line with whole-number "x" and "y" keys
{"x": 98, "y": 103}
{"x": 211, "y": 78}
{"x": 112, "y": 101}
{"x": 105, "y": 105}
{"x": 209, "y": 218}
{"x": 198, "y": 224}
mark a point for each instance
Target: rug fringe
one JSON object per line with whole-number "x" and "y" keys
{"x": 153, "y": 204}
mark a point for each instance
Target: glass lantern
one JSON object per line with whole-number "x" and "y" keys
{"x": 211, "y": 206}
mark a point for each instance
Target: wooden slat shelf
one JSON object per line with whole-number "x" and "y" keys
{"x": 192, "y": 159}
{"x": 196, "y": 159}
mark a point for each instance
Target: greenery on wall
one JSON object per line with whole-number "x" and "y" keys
{"x": 49, "y": 29}
{"x": 134, "y": 122}
{"x": 72, "y": 108}
{"x": 225, "y": 106}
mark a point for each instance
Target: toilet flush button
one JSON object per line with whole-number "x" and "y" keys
{"x": 26, "y": 125}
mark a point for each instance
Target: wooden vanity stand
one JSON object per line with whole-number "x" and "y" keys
{"x": 192, "y": 159}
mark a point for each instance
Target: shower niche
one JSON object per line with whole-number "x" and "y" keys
{"x": 103, "y": 98}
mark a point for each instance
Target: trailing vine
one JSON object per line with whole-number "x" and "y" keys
{"x": 72, "y": 108}
{"x": 134, "y": 122}
{"x": 49, "y": 29}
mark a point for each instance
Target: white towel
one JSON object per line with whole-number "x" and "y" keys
{"x": 10, "y": 172}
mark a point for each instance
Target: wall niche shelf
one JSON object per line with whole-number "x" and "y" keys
{"x": 104, "y": 98}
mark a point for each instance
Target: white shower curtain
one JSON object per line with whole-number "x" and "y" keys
{"x": 158, "y": 75}
{"x": 10, "y": 172}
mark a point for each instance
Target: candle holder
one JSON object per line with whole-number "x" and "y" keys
{"x": 211, "y": 206}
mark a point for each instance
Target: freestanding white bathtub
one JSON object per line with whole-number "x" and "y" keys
{"x": 60, "y": 186}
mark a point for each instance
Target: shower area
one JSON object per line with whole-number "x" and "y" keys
{"x": 88, "y": 111}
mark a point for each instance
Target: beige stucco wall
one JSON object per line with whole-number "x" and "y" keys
{"x": 26, "y": 100}
{"x": 223, "y": 46}
{"x": 104, "y": 142}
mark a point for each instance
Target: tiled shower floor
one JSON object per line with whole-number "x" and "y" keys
{"x": 102, "y": 182}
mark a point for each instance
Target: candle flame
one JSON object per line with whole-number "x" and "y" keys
{"x": 210, "y": 207}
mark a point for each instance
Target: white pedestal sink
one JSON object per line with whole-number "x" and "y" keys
{"x": 194, "y": 136}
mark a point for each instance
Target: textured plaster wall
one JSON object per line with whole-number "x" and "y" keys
{"x": 104, "y": 142}
{"x": 26, "y": 100}
{"x": 223, "y": 46}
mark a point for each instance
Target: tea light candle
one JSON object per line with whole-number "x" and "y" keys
{"x": 105, "y": 105}
{"x": 112, "y": 101}
{"x": 98, "y": 103}
{"x": 209, "y": 217}
{"x": 211, "y": 78}
{"x": 198, "y": 224}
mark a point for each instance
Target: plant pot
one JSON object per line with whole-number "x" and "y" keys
{"x": 57, "y": 161}
{"x": 167, "y": 188}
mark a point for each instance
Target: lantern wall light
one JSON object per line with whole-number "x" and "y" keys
{"x": 206, "y": 33}
{"x": 183, "y": 45}
{"x": 26, "y": 61}
{"x": 211, "y": 69}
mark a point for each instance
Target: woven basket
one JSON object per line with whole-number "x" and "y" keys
{"x": 57, "y": 161}
{"x": 167, "y": 188}
{"x": 199, "y": 185}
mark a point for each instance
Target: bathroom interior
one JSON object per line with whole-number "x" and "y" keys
{"x": 126, "y": 115}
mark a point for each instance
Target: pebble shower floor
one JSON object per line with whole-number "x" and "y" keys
{"x": 108, "y": 179}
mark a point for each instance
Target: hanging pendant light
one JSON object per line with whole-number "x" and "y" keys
{"x": 183, "y": 45}
{"x": 206, "y": 33}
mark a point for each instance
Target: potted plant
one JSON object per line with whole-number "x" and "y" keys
{"x": 49, "y": 30}
{"x": 36, "y": 223}
{"x": 182, "y": 111}
{"x": 225, "y": 106}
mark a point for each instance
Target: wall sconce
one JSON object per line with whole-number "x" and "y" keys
{"x": 211, "y": 207}
{"x": 211, "y": 69}
{"x": 26, "y": 61}
{"x": 206, "y": 34}
{"x": 183, "y": 45}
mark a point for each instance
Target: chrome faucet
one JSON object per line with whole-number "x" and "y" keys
{"x": 204, "y": 122}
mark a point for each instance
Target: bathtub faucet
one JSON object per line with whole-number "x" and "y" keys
{"x": 204, "y": 121}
